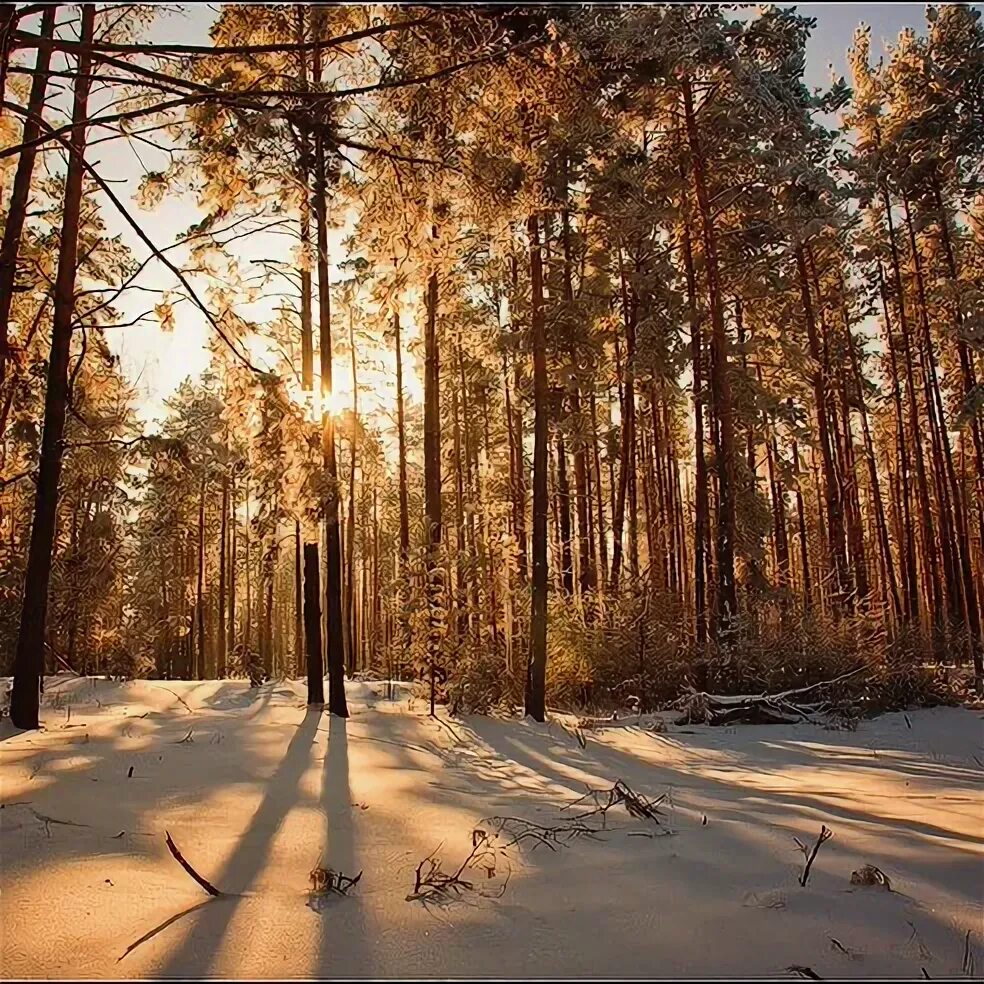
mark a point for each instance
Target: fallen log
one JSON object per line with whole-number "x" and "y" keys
{"x": 699, "y": 707}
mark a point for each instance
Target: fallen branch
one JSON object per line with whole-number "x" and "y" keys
{"x": 172, "y": 847}
{"x": 520, "y": 830}
{"x": 781, "y": 708}
{"x": 636, "y": 805}
{"x": 432, "y": 885}
{"x": 326, "y": 880}
{"x": 825, "y": 835}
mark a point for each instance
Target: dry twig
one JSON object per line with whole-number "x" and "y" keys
{"x": 432, "y": 885}
{"x": 172, "y": 847}
{"x": 636, "y": 805}
{"x": 825, "y": 835}
{"x": 327, "y": 881}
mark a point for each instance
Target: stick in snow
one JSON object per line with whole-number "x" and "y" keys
{"x": 172, "y": 847}
{"x": 825, "y": 835}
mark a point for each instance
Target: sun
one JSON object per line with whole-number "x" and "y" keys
{"x": 336, "y": 402}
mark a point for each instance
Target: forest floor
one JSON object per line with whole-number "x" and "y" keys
{"x": 256, "y": 791}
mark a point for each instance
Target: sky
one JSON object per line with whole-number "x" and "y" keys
{"x": 156, "y": 361}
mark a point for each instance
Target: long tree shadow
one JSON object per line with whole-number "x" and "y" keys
{"x": 199, "y": 949}
{"x": 344, "y": 946}
{"x": 927, "y": 846}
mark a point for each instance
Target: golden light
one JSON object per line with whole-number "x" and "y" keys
{"x": 335, "y": 402}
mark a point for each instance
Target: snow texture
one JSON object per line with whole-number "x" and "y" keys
{"x": 257, "y": 791}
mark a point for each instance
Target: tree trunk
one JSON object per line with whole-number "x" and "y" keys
{"x": 801, "y": 528}
{"x": 17, "y": 207}
{"x": 233, "y": 550}
{"x": 350, "y": 527}
{"x": 536, "y": 677}
{"x": 626, "y": 475}
{"x": 220, "y": 656}
{"x": 907, "y": 547}
{"x": 832, "y": 499}
{"x": 957, "y": 527}
{"x": 432, "y": 480}
{"x": 401, "y": 431}
{"x": 304, "y": 155}
{"x": 930, "y": 561}
{"x": 599, "y": 495}
{"x": 312, "y": 625}
{"x": 298, "y": 600}
{"x": 199, "y": 673}
{"x": 564, "y": 505}
{"x": 701, "y": 504}
{"x": 29, "y": 657}
{"x": 586, "y": 573}
{"x": 726, "y": 595}
{"x": 333, "y": 561}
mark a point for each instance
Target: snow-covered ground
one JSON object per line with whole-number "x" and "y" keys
{"x": 256, "y": 791}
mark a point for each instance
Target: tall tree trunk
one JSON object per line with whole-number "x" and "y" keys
{"x": 586, "y": 573}
{"x": 298, "y": 600}
{"x": 432, "y": 480}
{"x": 519, "y": 488}
{"x": 930, "y": 560}
{"x": 599, "y": 494}
{"x": 17, "y": 206}
{"x": 536, "y": 677}
{"x": 831, "y": 485}
{"x": 248, "y": 573}
{"x": 564, "y": 507}
{"x": 29, "y": 657}
{"x": 9, "y": 17}
{"x": 350, "y": 528}
{"x": 801, "y": 528}
{"x": 233, "y": 552}
{"x": 701, "y": 505}
{"x": 200, "y": 585}
{"x": 266, "y": 625}
{"x": 726, "y": 595}
{"x": 888, "y": 564}
{"x": 333, "y": 561}
{"x": 401, "y": 432}
{"x": 907, "y": 547}
{"x": 312, "y": 625}
{"x": 304, "y": 156}
{"x": 957, "y": 527}
{"x": 220, "y": 656}
{"x": 626, "y": 475}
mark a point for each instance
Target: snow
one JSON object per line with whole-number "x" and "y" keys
{"x": 260, "y": 791}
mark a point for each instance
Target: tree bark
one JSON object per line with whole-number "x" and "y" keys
{"x": 432, "y": 479}
{"x": 29, "y": 657}
{"x": 536, "y": 677}
{"x": 726, "y": 595}
{"x": 220, "y": 656}
{"x": 333, "y": 561}
{"x": 312, "y": 625}
{"x": 199, "y": 669}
